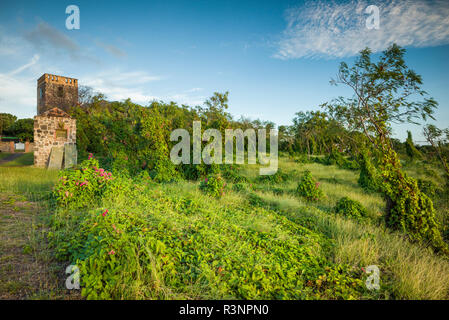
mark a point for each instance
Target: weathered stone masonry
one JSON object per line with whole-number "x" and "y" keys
{"x": 52, "y": 128}
{"x": 56, "y": 91}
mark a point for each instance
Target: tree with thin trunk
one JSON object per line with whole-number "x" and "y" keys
{"x": 385, "y": 92}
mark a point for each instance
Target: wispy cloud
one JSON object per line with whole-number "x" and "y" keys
{"x": 45, "y": 35}
{"x": 32, "y": 62}
{"x": 119, "y": 85}
{"x": 115, "y": 51}
{"x": 194, "y": 90}
{"x": 331, "y": 29}
{"x": 17, "y": 96}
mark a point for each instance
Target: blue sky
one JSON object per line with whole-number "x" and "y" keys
{"x": 274, "y": 57}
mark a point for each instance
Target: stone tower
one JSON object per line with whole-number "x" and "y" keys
{"x": 54, "y": 129}
{"x": 56, "y": 91}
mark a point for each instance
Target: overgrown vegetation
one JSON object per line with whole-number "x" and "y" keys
{"x": 346, "y": 195}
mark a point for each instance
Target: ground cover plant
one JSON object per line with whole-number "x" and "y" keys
{"x": 346, "y": 196}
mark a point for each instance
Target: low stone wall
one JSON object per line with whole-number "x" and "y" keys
{"x": 8, "y": 146}
{"x": 5, "y": 146}
{"x": 51, "y": 129}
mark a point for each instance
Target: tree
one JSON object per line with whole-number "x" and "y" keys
{"x": 412, "y": 152}
{"x": 23, "y": 129}
{"x": 384, "y": 93}
{"x": 439, "y": 139}
{"x": 6, "y": 120}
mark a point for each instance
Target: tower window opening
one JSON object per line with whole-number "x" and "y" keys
{"x": 60, "y": 92}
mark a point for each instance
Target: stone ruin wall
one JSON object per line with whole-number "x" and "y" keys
{"x": 45, "y": 137}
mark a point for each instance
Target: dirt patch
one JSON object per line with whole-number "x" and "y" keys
{"x": 27, "y": 267}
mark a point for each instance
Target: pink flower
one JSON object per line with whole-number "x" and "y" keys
{"x": 90, "y": 156}
{"x": 205, "y": 180}
{"x": 66, "y": 193}
{"x": 111, "y": 252}
{"x": 105, "y": 212}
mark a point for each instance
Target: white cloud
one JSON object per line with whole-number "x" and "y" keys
{"x": 119, "y": 85}
{"x": 330, "y": 29}
{"x": 17, "y": 96}
{"x": 194, "y": 90}
{"x": 115, "y": 51}
{"x": 33, "y": 61}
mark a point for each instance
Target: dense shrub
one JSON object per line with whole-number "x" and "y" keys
{"x": 278, "y": 177}
{"x": 337, "y": 158}
{"x": 232, "y": 173}
{"x": 368, "y": 178}
{"x": 350, "y": 208}
{"x": 428, "y": 187}
{"x": 410, "y": 148}
{"x": 238, "y": 187}
{"x": 308, "y": 188}
{"x": 81, "y": 186}
{"x": 409, "y": 209}
{"x": 213, "y": 185}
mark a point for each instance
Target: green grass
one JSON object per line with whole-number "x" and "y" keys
{"x": 25, "y": 159}
{"x": 28, "y": 181}
{"x": 4, "y": 155}
{"x": 408, "y": 270}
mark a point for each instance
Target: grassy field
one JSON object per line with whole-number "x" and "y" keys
{"x": 260, "y": 241}
{"x": 28, "y": 269}
{"x": 25, "y": 159}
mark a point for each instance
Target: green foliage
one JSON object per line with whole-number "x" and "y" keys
{"x": 213, "y": 185}
{"x": 278, "y": 177}
{"x": 368, "y": 178}
{"x": 428, "y": 187}
{"x": 409, "y": 209}
{"x": 6, "y": 121}
{"x": 238, "y": 187}
{"x": 308, "y": 188}
{"x": 81, "y": 186}
{"x": 160, "y": 246}
{"x": 22, "y": 128}
{"x": 350, "y": 208}
{"x": 337, "y": 158}
{"x": 232, "y": 173}
{"x": 410, "y": 148}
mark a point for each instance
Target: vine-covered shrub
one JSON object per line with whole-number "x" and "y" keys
{"x": 278, "y": 177}
{"x": 79, "y": 187}
{"x": 213, "y": 185}
{"x": 308, "y": 188}
{"x": 410, "y": 148}
{"x": 232, "y": 173}
{"x": 337, "y": 158}
{"x": 368, "y": 178}
{"x": 350, "y": 208}
{"x": 409, "y": 209}
{"x": 428, "y": 187}
{"x": 238, "y": 187}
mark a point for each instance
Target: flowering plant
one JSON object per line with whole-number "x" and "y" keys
{"x": 309, "y": 188}
{"x": 80, "y": 186}
{"x": 213, "y": 185}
